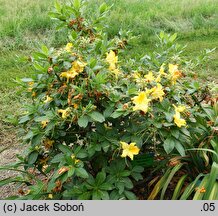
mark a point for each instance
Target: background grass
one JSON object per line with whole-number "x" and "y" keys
{"x": 24, "y": 23}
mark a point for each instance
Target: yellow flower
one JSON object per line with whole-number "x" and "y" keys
{"x": 75, "y": 106}
{"x": 77, "y": 161}
{"x": 161, "y": 71}
{"x": 141, "y": 102}
{"x": 74, "y": 158}
{"x": 48, "y": 143}
{"x": 148, "y": 92}
{"x": 149, "y": 77}
{"x": 69, "y": 47}
{"x": 78, "y": 66}
{"x": 136, "y": 75}
{"x": 158, "y": 79}
{"x": 157, "y": 92}
{"x": 30, "y": 84}
{"x": 69, "y": 75}
{"x": 112, "y": 60}
{"x": 107, "y": 126}
{"x": 48, "y": 99}
{"x": 43, "y": 160}
{"x": 129, "y": 150}
{"x": 28, "y": 192}
{"x": 50, "y": 196}
{"x": 175, "y": 76}
{"x": 116, "y": 72}
{"x": 44, "y": 123}
{"x": 174, "y": 73}
{"x": 180, "y": 108}
{"x": 64, "y": 113}
{"x": 34, "y": 94}
{"x": 178, "y": 120}
{"x": 173, "y": 68}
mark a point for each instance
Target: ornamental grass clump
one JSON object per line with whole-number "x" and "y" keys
{"x": 97, "y": 128}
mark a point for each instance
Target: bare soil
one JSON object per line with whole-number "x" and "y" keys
{"x": 9, "y": 148}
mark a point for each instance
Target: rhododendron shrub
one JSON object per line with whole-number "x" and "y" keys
{"x": 96, "y": 124}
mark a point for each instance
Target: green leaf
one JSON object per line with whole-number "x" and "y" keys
{"x": 92, "y": 63}
{"x": 82, "y": 154}
{"x": 104, "y": 195}
{"x": 105, "y": 146}
{"x": 125, "y": 173}
{"x": 175, "y": 133}
{"x": 77, "y": 4}
{"x": 83, "y": 121}
{"x": 40, "y": 118}
{"x": 190, "y": 188}
{"x": 114, "y": 195}
{"x": 211, "y": 181}
{"x": 120, "y": 186}
{"x": 130, "y": 195}
{"x": 137, "y": 176}
{"x": 38, "y": 67}
{"x": 32, "y": 157}
{"x": 100, "y": 178}
{"x": 117, "y": 113}
{"x": 10, "y": 180}
{"x": 36, "y": 140}
{"x": 45, "y": 49}
{"x": 169, "y": 116}
{"x": 185, "y": 131}
{"x": 169, "y": 178}
{"x": 38, "y": 55}
{"x": 162, "y": 34}
{"x": 108, "y": 111}
{"x": 97, "y": 116}
{"x": 128, "y": 183}
{"x": 180, "y": 148}
{"x": 106, "y": 186}
{"x": 198, "y": 195}
{"x": 178, "y": 188}
{"x": 138, "y": 169}
{"x": 70, "y": 171}
{"x": 81, "y": 172}
{"x": 27, "y": 80}
{"x": 173, "y": 37}
{"x": 57, "y": 158}
{"x": 97, "y": 195}
{"x": 143, "y": 160}
{"x": 65, "y": 149}
{"x": 57, "y": 6}
{"x": 138, "y": 140}
{"x": 103, "y": 7}
{"x": 214, "y": 192}
{"x": 85, "y": 196}
{"x": 159, "y": 186}
{"x": 169, "y": 145}
{"x": 24, "y": 119}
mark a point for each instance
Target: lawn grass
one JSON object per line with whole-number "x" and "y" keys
{"x": 24, "y": 23}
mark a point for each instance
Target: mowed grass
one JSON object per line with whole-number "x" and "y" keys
{"x": 195, "y": 22}
{"x": 25, "y": 23}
